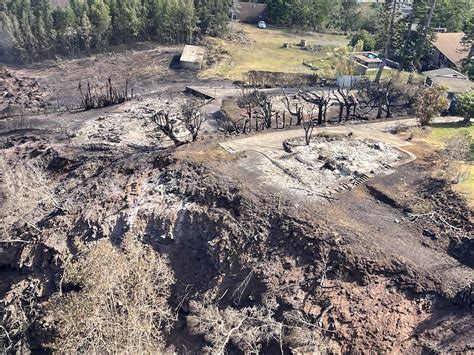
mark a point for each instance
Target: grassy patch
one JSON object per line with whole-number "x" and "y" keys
{"x": 438, "y": 132}
{"x": 436, "y": 135}
{"x": 266, "y": 52}
{"x": 231, "y": 109}
{"x": 467, "y": 186}
{"x": 388, "y": 73}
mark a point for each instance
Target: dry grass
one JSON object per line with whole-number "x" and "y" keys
{"x": 250, "y": 328}
{"x": 26, "y": 196}
{"x": 437, "y": 135}
{"x": 466, "y": 187}
{"x": 122, "y": 302}
{"x": 214, "y": 153}
{"x": 266, "y": 52}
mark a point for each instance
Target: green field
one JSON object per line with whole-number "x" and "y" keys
{"x": 440, "y": 131}
{"x": 265, "y": 52}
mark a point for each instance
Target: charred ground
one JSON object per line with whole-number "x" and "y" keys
{"x": 385, "y": 265}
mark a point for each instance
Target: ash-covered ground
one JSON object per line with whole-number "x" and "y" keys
{"x": 381, "y": 265}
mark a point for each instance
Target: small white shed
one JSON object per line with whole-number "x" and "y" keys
{"x": 192, "y": 57}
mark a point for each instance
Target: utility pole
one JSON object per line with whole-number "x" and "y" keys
{"x": 387, "y": 43}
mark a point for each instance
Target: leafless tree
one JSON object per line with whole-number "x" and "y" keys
{"x": 167, "y": 125}
{"x": 264, "y": 105}
{"x": 350, "y": 101}
{"x": 92, "y": 98}
{"x": 247, "y": 102}
{"x": 308, "y": 126}
{"x": 258, "y": 106}
{"x": 295, "y": 110}
{"x": 384, "y": 97}
{"x": 192, "y": 119}
{"x": 340, "y": 103}
{"x": 321, "y": 99}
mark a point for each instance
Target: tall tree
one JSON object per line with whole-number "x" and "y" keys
{"x": 426, "y": 31}
{"x": 387, "y": 43}
{"x": 99, "y": 14}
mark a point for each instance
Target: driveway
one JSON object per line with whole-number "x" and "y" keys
{"x": 272, "y": 141}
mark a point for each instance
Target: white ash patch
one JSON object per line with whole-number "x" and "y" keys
{"x": 322, "y": 166}
{"x": 131, "y": 127}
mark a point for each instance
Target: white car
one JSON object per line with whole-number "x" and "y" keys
{"x": 262, "y": 24}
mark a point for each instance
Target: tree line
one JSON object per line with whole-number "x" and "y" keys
{"x": 38, "y": 30}
{"x": 350, "y": 15}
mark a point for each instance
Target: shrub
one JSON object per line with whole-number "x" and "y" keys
{"x": 121, "y": 305}
{"x": 430, "y": 102}
{"x": 367, "y": 39}
{"x": 458, "y": 148}
{"x": 26, "y": 196}
{"x": 466, "y": 105}
{"x": 250, "y": 328}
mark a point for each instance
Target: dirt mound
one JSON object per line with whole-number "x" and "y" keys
{"x": 20, "y": 94}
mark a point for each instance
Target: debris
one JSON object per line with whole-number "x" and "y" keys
{"x": 20, "y": 94}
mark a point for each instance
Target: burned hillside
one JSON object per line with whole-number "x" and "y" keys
{"x": 364, "y": 269}
{"x": 144, "y": 208}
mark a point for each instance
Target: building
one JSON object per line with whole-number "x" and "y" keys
{"x": 446, "y": 51}
{"x": 365, "y": 61}
{"x": 455, "y": 82}
{"x": 192, "y": 57}
{"x": 251, "y": 12}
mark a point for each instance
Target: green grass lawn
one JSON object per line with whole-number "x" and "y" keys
{"x": 387, "y": 73}
{"x": 440, "y": 131}
{"x": 266, "y": 52}
{"x": 437, "y": 134}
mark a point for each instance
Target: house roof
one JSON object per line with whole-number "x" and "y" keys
{"x": 450, "y": 44}
{"x": 453, "y": 80}
{"x": 445, "y": 72}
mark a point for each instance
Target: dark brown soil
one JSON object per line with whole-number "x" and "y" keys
{"x": 396, "y": 276}
{"x": 389, "y": 288}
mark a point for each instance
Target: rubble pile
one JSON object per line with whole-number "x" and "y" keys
{"x": 132, "y": 127}
{"x": 20, "y": 94}
{"x": 331, "y": 161}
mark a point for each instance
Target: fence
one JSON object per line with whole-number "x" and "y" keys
{"x": 347, "y": 81}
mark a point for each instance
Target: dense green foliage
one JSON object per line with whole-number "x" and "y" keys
{"x": 349, "y": 15}
{"x": 466, "y": 105}
{"x": 303, "y": 13}
{"x": 368, "y": 40}
{"x": 407, "y": 38}
{"x": 40, "y": 31}
{"x": 369, "y": 21}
